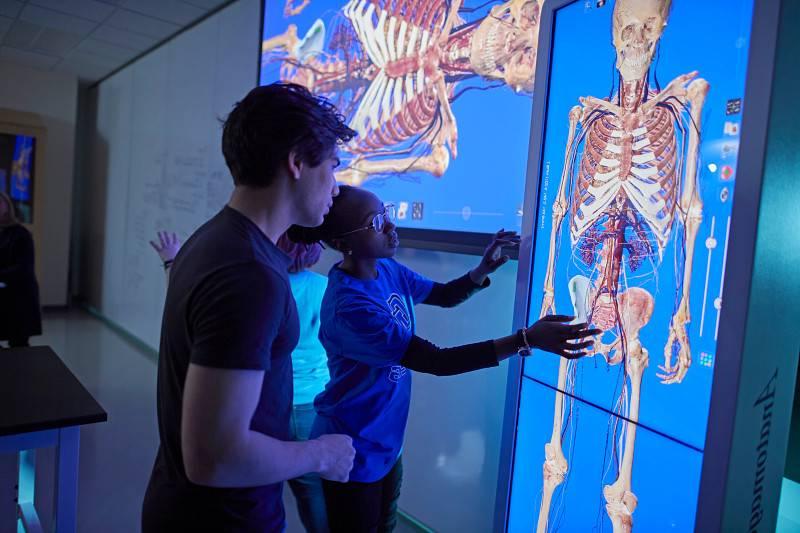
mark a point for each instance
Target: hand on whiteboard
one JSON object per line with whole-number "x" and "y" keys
{"x": 167, "y": 246}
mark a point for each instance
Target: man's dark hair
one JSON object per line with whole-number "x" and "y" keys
{"x": 273, "y": 120}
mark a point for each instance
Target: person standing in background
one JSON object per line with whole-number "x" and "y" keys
{"x": 309, "y": 360}
{"x": 310, "y": 372}
{"x": 20, "y": 315}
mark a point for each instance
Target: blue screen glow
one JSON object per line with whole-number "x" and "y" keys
{"x": 439, "y": 92}
{"x": 634, "y": 204}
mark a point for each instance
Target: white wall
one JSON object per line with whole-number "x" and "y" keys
{"x": 49, "y": 99}
{"x": 155, "y": 162}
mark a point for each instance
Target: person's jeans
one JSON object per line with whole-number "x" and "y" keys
{"x": 307, "y": 489}
{"x": 355, "y": 507}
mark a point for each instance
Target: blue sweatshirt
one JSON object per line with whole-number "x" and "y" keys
{"x": 366, "y": 327}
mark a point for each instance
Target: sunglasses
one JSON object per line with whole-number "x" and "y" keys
{"x": 378, "y": 222}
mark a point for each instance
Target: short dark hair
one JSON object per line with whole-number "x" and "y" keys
{"x": 273, "y": 120}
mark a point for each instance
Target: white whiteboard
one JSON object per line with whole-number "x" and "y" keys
{"x": 157, "y": 145}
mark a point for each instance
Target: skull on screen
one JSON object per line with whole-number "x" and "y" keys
{"x": 637, "y": 27}
{"x": 505, "y": 43}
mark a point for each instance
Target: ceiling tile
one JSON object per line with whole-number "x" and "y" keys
{"x": 109, "y": 51}
{"x": 87, "y": 9}
{"x": 54, "y": 19}
{"x": 29, "y": 59}
{"x": 10, "y": 8}
{"x": 85, "y": 71}
{"x": 90, "y": 38}
{"x": 169, "y": 10}
{"x": 205, "y": 4}
{"x": 56, "y": 42}
{"x": 22, "y": 34}
{"x": 134, "y": 41}
{"x": 137, "y": 23}
{"x": 79, "y": 56}
{"x": 5, "y": 24}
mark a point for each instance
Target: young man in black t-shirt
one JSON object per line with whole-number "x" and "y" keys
{"x": 230, "y": 325}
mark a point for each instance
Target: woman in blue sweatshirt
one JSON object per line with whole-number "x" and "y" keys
{"x": 368, "y": 331}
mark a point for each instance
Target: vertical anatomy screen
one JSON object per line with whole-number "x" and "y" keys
{"x": 634, "y": 203}
{"x": 440, "y": 93}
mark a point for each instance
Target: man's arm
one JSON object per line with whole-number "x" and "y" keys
{"x": 219, "y": 448}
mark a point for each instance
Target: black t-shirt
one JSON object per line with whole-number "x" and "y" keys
{"x": 229, "y": 305}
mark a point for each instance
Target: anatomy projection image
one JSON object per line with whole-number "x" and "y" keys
{"x": 671, "y": 471}
{"x": 631, "y": 180}
{"x": 631, "y": 170}
{"x": 425, "y": 84}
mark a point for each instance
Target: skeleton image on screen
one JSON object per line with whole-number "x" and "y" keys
{"x": 627, "y": 192}
{"x": 394, "y": 67}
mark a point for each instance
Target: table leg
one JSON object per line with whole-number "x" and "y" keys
{"x": 67, "y": 454}
{"x": 18, "y": 473}
{"x": 9, "y": 474}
